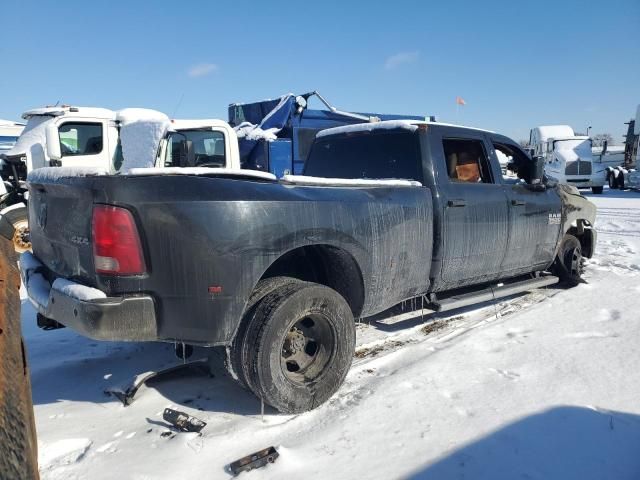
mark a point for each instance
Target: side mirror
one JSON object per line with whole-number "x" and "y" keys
{"x": 53, "y": 143}
{"x": 187, "y": 154}
{"x": 536, "y": 172}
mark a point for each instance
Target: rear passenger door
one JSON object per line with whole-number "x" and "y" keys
{"x": 476, "y": 211}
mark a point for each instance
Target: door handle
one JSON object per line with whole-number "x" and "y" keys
{"x": 457, "y": 203}
{"x": 518, "y": 202}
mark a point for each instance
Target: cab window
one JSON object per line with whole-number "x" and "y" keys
{"x": 518, "y": 165}
{"x": 195, "y": 148}
{"x": 80, "y": 139}
{"x": 467, "y": 161}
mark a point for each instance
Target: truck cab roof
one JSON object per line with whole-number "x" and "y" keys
{"x": 204, "y": 123}
{"x": 71, "y": 111}
{"x": 544, "y": 133}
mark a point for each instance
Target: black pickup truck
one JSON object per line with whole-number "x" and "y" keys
{"x": 276, "y": 270}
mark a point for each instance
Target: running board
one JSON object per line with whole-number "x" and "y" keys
{"x": 492, "y": 293}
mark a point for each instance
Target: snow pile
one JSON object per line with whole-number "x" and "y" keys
{"x": 270, "y": 125}
{"x": 349, "y": 182}
{"x": 63, "y": 452}
{"x": 77, "y": 291}
{"x": 53, "y": 174}
{"x": 250, "y": 131}
{"x": 141, "y": 130}
{"x": 369, "y": 127}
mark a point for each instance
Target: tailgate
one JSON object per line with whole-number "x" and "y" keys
{"x": 60, "y": 223}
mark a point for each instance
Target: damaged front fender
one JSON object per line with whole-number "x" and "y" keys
{"x": 578, "y": 217}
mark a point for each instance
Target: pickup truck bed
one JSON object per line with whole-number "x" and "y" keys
{"x": 201, "y": 231}
{"x": 278, "y": 269}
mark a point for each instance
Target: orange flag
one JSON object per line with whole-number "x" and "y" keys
{"x": 460, "y": 101}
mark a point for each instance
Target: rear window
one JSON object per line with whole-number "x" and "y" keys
{"x": 375, "y": 155}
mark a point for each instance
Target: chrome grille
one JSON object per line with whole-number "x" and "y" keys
{"x": 578, "y": 168}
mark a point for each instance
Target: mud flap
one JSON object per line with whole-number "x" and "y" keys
{"x": 6, "y": 228}
{"x": 126, "y": 394}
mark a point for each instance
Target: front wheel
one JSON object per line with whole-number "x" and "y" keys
{"x": 299, "y": 346}
{"x": 569, "y": 264}
{"x": 597, "y": 190}
{"x": 18, "y": 217}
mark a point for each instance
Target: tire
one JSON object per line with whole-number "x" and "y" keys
{"x": 613, "y": 184}
{"x": 299, "y": 346}
{"x": 597, "y": 190}
{"x": 569, "y": 264}
{"x": 19, "y": 219}
{"x": 235, "y": 358}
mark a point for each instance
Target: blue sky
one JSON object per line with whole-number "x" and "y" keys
{"x": 516, "y": 64}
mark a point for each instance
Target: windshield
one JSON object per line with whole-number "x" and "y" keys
{"x": 195, "y": 148}
{"x": 581, "y": 146}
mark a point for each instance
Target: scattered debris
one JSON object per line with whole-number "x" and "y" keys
{"x": 375, "y": 350}
{"x": 439, "y": 324}
{"x": 183, "y": 421}
{"x": 433, "y": 327}
{"x": 167, "y": 433}
{"x": 255, "y": 460}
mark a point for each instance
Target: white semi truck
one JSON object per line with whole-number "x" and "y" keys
{"x": 87, "y": 137}
{"x": 568, "y": 156}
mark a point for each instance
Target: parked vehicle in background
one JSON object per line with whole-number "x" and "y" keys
{"x": 608, "y": 155}
{"x": 276, "y": 270}
{"x": 568, "y": 157}
{"x": 88, "y": 137}
{"x": 625, "y": 174}
{"x": 276, "y": 135}
{"x": 9, "y": 133}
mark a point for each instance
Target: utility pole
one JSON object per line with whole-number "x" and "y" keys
{"x": 18, "y": 445}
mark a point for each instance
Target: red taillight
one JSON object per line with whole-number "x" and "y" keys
{"x": 116, "y": 243}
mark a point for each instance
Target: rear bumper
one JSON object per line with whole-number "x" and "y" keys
{"x": 88, "y": 310}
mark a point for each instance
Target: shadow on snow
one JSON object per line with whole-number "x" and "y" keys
{"x": 560, "y": 443}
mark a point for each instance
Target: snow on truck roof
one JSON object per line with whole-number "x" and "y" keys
{"x": 548, "y": 132}
{"x": 176, "y": 124}
{"x": 411, "y": 125}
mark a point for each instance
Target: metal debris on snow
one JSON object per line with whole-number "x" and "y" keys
{"x": 183, "y": 421}
{"x": 255, "y": 460}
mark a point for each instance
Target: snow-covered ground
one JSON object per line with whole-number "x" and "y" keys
{"x": 544, "y": 385}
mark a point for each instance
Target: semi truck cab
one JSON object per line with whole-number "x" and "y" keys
{"x": 568, "y": 157}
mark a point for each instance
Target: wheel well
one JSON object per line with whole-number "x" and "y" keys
{"x": 584, "y": 233}
{"x": 327, "y": 265}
